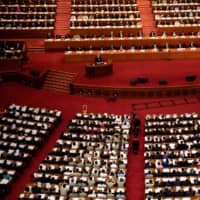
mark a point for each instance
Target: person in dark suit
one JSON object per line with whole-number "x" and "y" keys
{"x": 135, "y": 145}
{"x": 98, "y": 60}
{"x": 152, "y": 34}
{"x": 167, "y": 47}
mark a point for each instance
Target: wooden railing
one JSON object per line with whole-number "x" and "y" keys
{"x": 62, "y": 44}
{"x": 136, "y": 92}
{"x": 32, "y": 78}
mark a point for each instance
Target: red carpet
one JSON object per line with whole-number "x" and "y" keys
{"x": 123, "y": 72}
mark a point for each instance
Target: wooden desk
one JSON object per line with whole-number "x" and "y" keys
{"x": 25, "y": 33}
{"x": 93, "y": 70}
{"x": 178, "y": 29}
{"x": 99, "y": 30}
{"x": 61, "y": 44}
{"x": 147, "y": 54}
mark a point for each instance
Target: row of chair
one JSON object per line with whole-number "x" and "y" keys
{"x": 27, "y": 9}
{"x": 92, "y": 9}
{"x": 104, "y": 9}
{"x": 37, "y": 15}
{"x": 153, "y": 47}
{"x": 85, "y": 164}
{"x": 23, "y": 130}
{"x": 171, "y": 156}
{"x": 182, "y": 15}
{"x": 27, "y": 24}
{"x": 27, "y": 17}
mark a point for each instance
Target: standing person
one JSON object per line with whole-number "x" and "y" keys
{"x": 98, "y": 60}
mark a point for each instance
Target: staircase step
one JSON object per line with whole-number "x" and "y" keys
{"x": 61, "y": 21}
{"x": 57, "y": 81}
{"x": 57, "y": 90}
{"x": 145, "y": 9}
{"x": 143, "y": 4}
{"x": 62, "y": 28}
{"x": 149, "y": 23}
{"x": 62, "y": 10}
{"x": 66, "y": 7}
{"x": 149, "y": 14}
{"x": 62, "y": 72}
{"x": 63, "y": 25}
{"x": 62, "y": 17}
{"x": 65, "y": 87}
{"x": 64, "y": 75}
{"x": 55, "y": 86}
{"x": 149, "y": 26}
{"x": 147, "y": 17}
{"x": 62, "y": 4}
{"x": 61, "y": 32}
{"x": 63, "y": 13}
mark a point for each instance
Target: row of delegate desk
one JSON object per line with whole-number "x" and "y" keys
{"x": 78, "y": 13}
{"x": 72, "y": 55}
{"x": 62, "y": 44}
{"x": 83, "y": 9}
{"x": 171, "y": 152}
{"x": 92, "y": 30}
{"x": 186, "y": 28}
{"x": 25, "y": 32}
{"x": 186, "y": 24}
{"x": 94, "y": 2}
{"x": 11, "y": 26}
{"x": 171, "y": 6}
{"x": 117, "y": 55}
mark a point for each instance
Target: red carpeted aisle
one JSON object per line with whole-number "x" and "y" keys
{"x": 63, "y": 14}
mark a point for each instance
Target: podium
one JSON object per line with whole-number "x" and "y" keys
{"x": 95, "y": 70}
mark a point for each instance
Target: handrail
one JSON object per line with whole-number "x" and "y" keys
{"x": 136, "y": 92}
